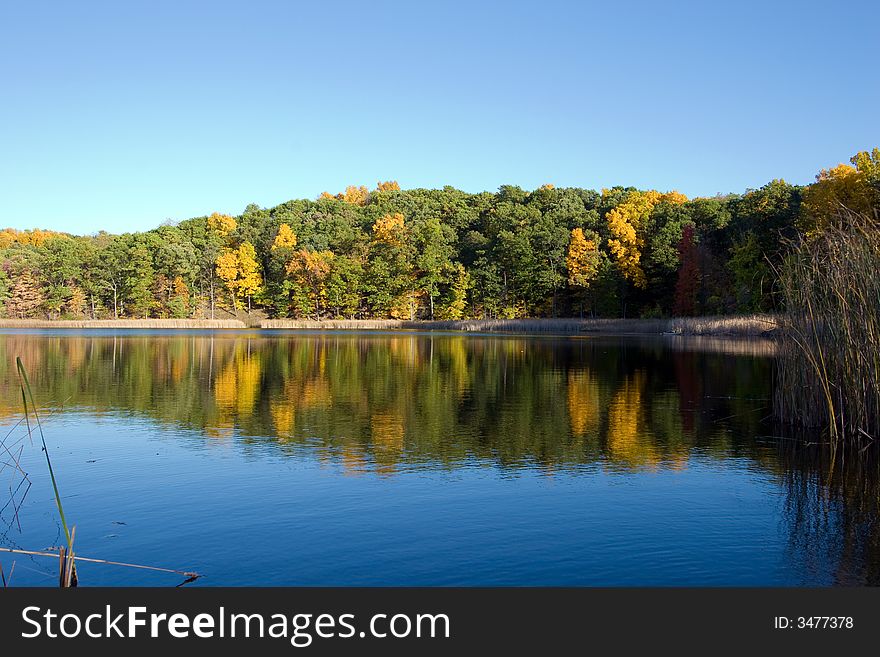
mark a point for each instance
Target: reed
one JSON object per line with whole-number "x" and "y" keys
{"x": 67, "y": 576}
{"x": 828, "y": 372}
{"x": 4, "y": 579}
{"x": 752, "y": 325}
{"x": 189, "y": 575}
{"x": 756, "y": 325}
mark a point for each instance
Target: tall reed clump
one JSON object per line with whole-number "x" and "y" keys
{"x": 829, "y": 360}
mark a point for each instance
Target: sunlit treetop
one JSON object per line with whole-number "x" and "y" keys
{"x": 389, "y": 228}
{"x": 222, "y": 224}
{"x": 854, "y": 187}
{"x": 285, "y": 239}
{"x": 35, "y": 237}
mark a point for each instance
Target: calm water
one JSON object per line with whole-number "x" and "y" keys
{"x": 423, "y": 459}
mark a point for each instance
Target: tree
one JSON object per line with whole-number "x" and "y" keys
{"x": 64, "y": 263}
{"x": 688, "y": 283}
{"x": 582, "y": 263}
{"x": 432, "y": 255}
{"x": 309, "y": 271}
{"x": 453, "y": 291}
{"x": 387, "y": 186}
{"x": 222, "y": 224}
{"x": 110, "y": 270}
{"x": 844, "y": 187}
{"x": 139, "y": 278}
{"x": 76, "y": 303}
{"x": 285, "y": 239}
{"x": 355, "y": 195}
{"x": 227, "y": 271}
{"x": 344, "y": 286}
{"x": 389, "y": 229}
{"x": 582, "y": 260}
{"x": 250, "y": 280}
{"x": 389, "y": 283}
{"x": 25, "y": 295}
{"x": 868, "y": 166}
{"x": 179, "y": 302}
{"x": 240, "y": 272}
{"x": 751, "y": 275}
{"x": 627, "y": 225}
{"x": 444, "y": 253}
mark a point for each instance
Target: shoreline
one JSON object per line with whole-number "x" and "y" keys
{"x": 757, "y": 326}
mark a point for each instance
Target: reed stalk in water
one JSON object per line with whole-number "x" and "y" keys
{"x": 828, "y": 370}
{"x": 68, "y": 565}
{"x": 67, "y": 577}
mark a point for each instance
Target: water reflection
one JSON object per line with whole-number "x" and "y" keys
{"x": 408, "y": 398}
{"x": 385, "y": 404}
{"x": 832, "y": 514}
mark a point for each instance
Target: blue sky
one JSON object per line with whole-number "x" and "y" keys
{"x": 121, "y": 115}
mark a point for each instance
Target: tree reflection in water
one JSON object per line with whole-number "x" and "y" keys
{"x": 383, "y": 403}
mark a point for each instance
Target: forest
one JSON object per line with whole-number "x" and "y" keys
{"x": 442, "y": 254}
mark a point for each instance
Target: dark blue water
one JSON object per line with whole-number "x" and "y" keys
{"x": 292, "y": 459}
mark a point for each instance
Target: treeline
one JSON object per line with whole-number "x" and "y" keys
{"x": 441, "y": 254}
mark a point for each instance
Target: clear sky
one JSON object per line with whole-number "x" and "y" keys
{"x": 121, "y": 115}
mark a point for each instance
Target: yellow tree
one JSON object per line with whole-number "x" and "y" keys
{"x": 674, "y": 197}
{"x": 352, "y": 194}
{"x": 240, "y": 272}
{"x": 387, "y": 186}
{"x": 249, "y": 279}
{"x": 8, "y": 237}
{"x": 389, "y": 229}
{"x": 36, "y": 237}
{"x": 840, "y": 187}
{"x": 227, "y": 271}
{"x": 356, "y": 195}
{"x": 285, "y": 239}
{"x": 627, "y": 224}
{"x": 582, "y": 263}
{"x": 77, "y": 302}
{"x": 308, "y": 271}
{"x": 222, "y": 224}
{"x": 582, "y": 259}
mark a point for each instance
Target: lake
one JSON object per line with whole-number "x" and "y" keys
{"x": 405, "y": 458}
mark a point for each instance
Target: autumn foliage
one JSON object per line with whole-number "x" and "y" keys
{"x": 627, "y": 225}
{"x": 240, "y": 272}
{"x": 582, "y": 260}
{"x": 442, "y": 253}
